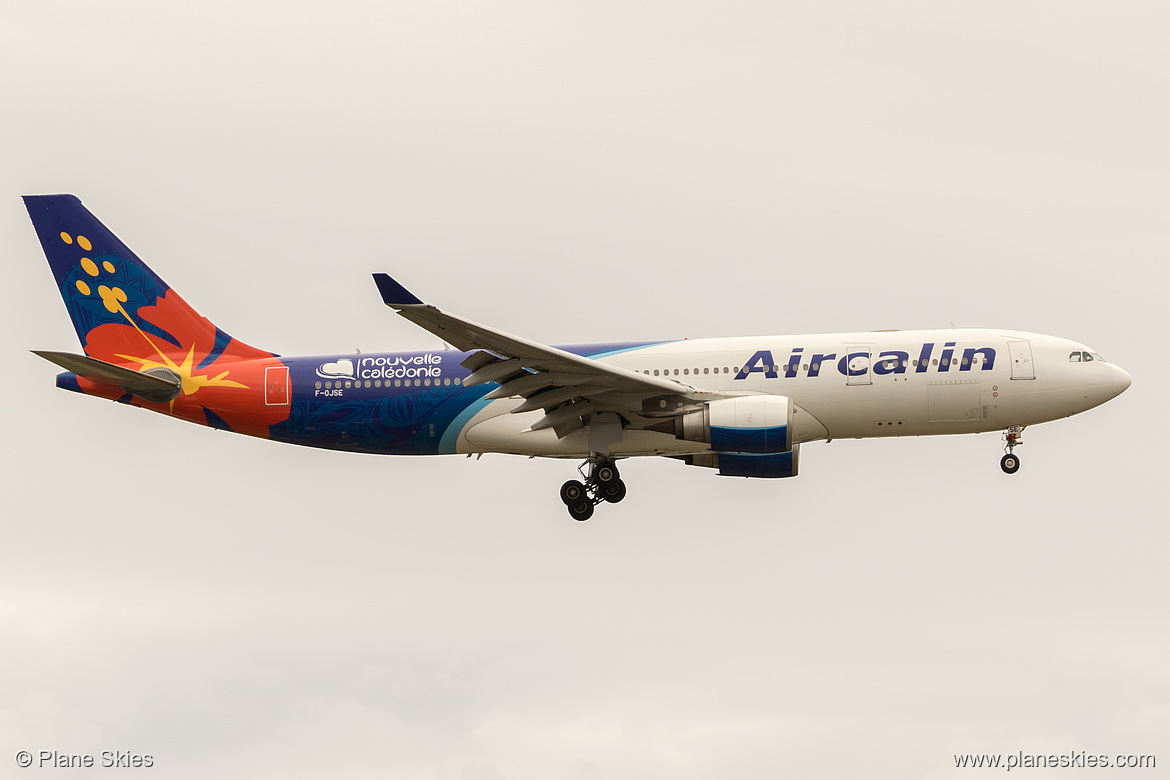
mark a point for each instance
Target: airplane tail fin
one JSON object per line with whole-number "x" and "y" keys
{"x": 122, "y": 311}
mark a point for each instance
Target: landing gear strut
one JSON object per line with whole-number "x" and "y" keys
{"x": 1013, "y": 437}
{"x": 602, "y": 483}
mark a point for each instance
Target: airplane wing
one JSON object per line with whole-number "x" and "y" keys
{"x": 568, "y": 387}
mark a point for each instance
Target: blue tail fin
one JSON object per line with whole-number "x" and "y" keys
{"x": 121, "y": 310}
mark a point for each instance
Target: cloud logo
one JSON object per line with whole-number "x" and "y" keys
{"x": 342, "y": 369}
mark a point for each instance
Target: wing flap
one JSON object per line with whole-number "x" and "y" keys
{"x": 550, "y": 399}
{"x": 564, "y": 414}
{"x": 493, "y": 372}
{"x": 477, "y": 360}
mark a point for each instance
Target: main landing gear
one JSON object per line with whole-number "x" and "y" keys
{"x": 602, "y": 483}
{"x": 1013, "y": 437}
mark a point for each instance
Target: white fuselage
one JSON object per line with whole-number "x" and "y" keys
{"x": 848, "y": 385}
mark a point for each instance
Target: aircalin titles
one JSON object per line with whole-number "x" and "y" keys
{"x": 890, "y": 361}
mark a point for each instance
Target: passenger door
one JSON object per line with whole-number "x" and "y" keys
{"x": 857, "y": 365}
{"x": 1021, "y": 354}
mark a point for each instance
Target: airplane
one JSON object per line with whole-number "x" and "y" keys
{"x": 741, "y": 406}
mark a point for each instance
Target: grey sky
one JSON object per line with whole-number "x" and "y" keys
{"x": 590, "y": 172}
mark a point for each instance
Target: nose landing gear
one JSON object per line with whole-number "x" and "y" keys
{"x": 1012, "y": 438}
{"x": 602, "y": 483}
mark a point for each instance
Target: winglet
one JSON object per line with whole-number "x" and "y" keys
{"x": 393, "y": 293}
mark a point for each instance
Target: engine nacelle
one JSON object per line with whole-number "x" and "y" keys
{"x": 753, "y": 424}
{"x": 750, "y": 436}
{"x": 738, "y": 464}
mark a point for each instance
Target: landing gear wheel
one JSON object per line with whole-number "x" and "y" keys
{"x": 1009, "y": 463}
{"x": 601, "y": 483}
{"x": 572, "y": 492}
{"x": 614, "y": 493}
{"x": 582, "y": 511}
{"x": 605, "y": 474}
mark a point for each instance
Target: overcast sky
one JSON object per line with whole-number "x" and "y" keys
{"x": 239, "y": 608}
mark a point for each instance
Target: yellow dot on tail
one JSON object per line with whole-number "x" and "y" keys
{"x": 83, "y": 287}
{"x": 68, "y": 239}
{"x": 113, "y": 299}
{"x": 108, "y": 266}
{"x": 83, "y": 242}
{"x": 89, "y": 265}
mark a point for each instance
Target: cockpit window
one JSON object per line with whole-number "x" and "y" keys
{"x": 1084, "y": 357}
{"x": 1097, "y": 357}
{"x": 1074, "y": 357}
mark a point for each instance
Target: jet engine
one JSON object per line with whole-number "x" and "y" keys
{"x": 750, "y": 436}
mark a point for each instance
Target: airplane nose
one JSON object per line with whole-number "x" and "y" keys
{"x": 1121, "y": 381}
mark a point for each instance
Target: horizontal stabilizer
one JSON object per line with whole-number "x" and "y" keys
{"x": 158, "y": 387}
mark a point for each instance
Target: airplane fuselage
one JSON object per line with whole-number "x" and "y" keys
{"x": 849, "y": 385}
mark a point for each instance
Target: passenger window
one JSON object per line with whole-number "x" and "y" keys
{"x": 706, "y": 370}
{"x": 686, "y": 371}
{"x": 1074, "y": 357}
{"x": 318, "y": 385}
{"x": 656, "y": 372}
